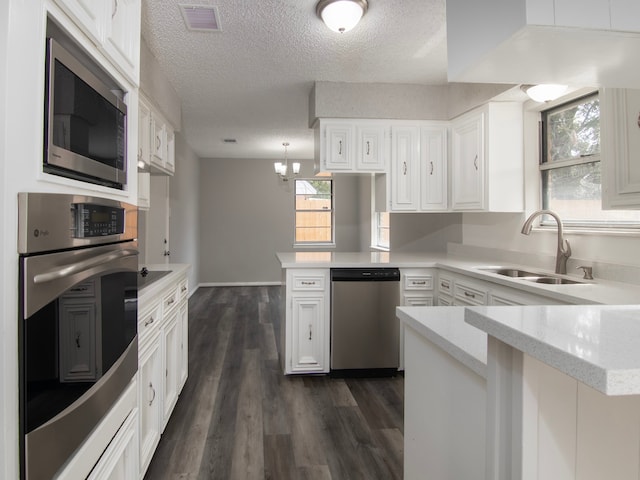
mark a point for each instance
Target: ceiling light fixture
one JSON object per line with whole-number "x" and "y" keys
{"x": 545, "y": 92}
{"x": 341, "y": 15}
{"x": 281, "y": 168}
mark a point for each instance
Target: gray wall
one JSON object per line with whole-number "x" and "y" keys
{"x": 184, "y": 205}
{"x": 424, "y": 232}
{"x": 246, "y": 217}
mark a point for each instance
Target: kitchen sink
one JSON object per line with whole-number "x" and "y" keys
{"x": 509, "y": 272}
{"x": 553, "y": 280}
{"x": 538, "y": 277}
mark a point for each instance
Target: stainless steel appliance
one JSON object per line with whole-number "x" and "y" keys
{"x": 364, "y": 327}
{"x": 78, "y": 346}
{"x": 85, "y": 122}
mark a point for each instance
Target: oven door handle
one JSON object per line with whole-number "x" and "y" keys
{"x": 77, "y": 267}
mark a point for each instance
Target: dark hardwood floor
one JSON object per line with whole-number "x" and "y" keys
{"x": 239, "y": 417}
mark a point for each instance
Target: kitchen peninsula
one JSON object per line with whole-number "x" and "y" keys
{"x": 557, "y": 396}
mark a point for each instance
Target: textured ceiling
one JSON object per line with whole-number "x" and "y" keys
{"x": 251, "y": 81}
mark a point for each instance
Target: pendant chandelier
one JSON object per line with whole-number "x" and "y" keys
{"x": 282, "y": 168}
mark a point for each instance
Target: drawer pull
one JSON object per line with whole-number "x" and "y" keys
{"x": 183, "y": 289}
{"x": 149, "y": 322}
{"x": 444, "y": 285}
{"x": 467, "y": 294}
{"x": 308, "y": 283}
{"x": 171, "y": 301}
{"x": 421, "y": 282}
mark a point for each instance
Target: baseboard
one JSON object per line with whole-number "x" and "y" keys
{"x": 238, "y": 284}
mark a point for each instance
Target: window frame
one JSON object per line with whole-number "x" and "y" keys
{"x": 330, "y": 243}
{"x": 546, "y": 222}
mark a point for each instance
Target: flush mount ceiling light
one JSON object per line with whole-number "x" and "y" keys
{"x": 341, "y": 15}
{"x": 281, "y": 168}
{"x": 545, "y": 92}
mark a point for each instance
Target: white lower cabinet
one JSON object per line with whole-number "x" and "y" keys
{"x": 150, "y": 400}
{"x": 162, "y": 360}
{"x": 416, "y": 291}
{"x": 307, "y": 321}
{"x": 120, "y": 459}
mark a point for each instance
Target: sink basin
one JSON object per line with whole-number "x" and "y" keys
{"x": 538, "y": 277}
{"x": 553, "y": 280}
{"x": 510, "y": 272}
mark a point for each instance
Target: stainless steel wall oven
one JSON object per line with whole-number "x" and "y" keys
{"x": 78, "y": 320}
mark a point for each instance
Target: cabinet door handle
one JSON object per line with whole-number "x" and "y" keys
{"x": 368, "y": 147}
{"x": 158, "y": 142}
{"x": 170, "y": 301}
{"x": 78, "y": 340}
{"x": 340, "y": 147}
{"x": 309, "y": 331}
{"x": 149, "y": 322}
{"x": 183, "y": 289}
{"x": 115, "y": 8}
{"x": 404, "y": 168}
{"x": 475, "y": 162}
{"x": 431, "y": 172}
{"x": 153, "y": 391}
{"x": 467, "y": 294}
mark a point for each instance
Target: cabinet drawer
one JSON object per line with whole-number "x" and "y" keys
{"x": 470, "y": 294}
{"x": 418, "y": 282}
{"x": 417, "y": 300}
{"x": 170, "y": 299}
{"x": 445, "y": 285}
{"x": 149, "y": 321}
{"x": 314, "y": 282}
{"x": 183, "y": 288}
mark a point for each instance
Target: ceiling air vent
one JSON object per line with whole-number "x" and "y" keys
{"x": 202, "y": 18}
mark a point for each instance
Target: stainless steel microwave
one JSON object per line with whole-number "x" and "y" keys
{"x": 85, "y": 123}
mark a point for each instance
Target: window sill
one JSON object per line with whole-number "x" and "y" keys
{"x": 315, "y": 246}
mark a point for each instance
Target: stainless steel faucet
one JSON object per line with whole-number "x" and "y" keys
{"x": 564, "y": 249}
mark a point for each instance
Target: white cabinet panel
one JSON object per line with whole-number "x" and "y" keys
{"x": 467, "y": 163}
{"x": 620, "y": 131}
{"x": 150, "y": 399}
{"x": 120, "y": 460}
{"x": 89, "y": 15}
{"x": 405, "y": 168}
{"x": 433, "y": 168}
{"x": 339, "y": 140}
{"x": 122, "y": 36}
{"x": 372, "y": 154}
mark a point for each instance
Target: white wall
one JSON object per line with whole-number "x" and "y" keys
{"x": 8, "y": 437}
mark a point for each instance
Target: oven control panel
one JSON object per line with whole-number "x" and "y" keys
{"x": 95, "y": 220}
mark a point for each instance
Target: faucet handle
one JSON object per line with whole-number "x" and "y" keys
{"x": 588, "y": 272}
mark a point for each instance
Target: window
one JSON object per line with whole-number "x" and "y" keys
{"x": 380, "y": 230}
{"x": 314, "y": 212}
{"x": 570, "y": 167}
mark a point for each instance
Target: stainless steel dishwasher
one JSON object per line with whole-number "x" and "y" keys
{"x": 364, "y": 327}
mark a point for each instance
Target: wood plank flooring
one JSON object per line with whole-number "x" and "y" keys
{"x": 239, "y": 417}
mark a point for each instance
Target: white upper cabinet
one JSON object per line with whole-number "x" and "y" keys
{"x": 487, "y": 165}
{"x": 417, "y": 179}
{"x": 405, "y": 168}
{"x": 534, "y": 41}
{"x": 122, "y": 36}
{"x": 114, "y": 26}
{"x": 433, "y": 168}
{"x": 351, "y": 146}
{"x": 620, "y": 140}
{"x": 372, "y": 153}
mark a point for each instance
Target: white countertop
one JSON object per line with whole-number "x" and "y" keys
{"x": 598, "y": 345}
{"x": 176, "y": 269}
{"x": 445, "y": 327}
{"x": 597, "y": 292}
